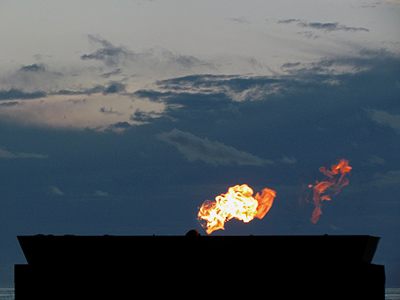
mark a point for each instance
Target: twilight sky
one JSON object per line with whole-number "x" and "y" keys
{"x": 122, "y": 117}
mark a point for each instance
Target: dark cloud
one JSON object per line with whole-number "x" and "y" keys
{"x": 291, "y": 65}
{"x": 191, "y": 82}
{"x": 213, "y": 84}
{"x": 239, "y": 20}
{"x": 336, "y": 68}
{"x": 152, "y": 95}
{"x": 154, "y": 59}
{"x": 288, "y": 21}
{"x": 88, "y": 91}
{"x": 76, "y": 101}
{"x": 309, "y": 34}
{"x": 112, "y": 73}
{"x": 188, "y": 61}
{"x": 110, "y": 54}
{"x": 9, "y": 104}
{"x": 114, "y": 87}
{"x": 315, "y": 97}
{"x": 335, "y": 26}
{"x": 109, "y": 111}
{"x": 372, "y": 5}
{"x": 331, "y": 26}
{"x": 12, "y": 94}
{"x": 143, "y": 116}
{"x": 119, "y": 126}
{"x": 140, "y": 116}
{"x": 312, "y": 96}
{"x": 33, "y": 68}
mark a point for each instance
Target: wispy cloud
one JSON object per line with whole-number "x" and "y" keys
{"x": 109, "y": 111}
{"x": 111, "y": 73}
{"x": 99, "y": 193}
{"x": 327, "y": 27}
{"x": 5, "y": 154}
{"x": 288, "y": 160}
{"x": 110, "y": 54}
{"x": 56, "y": 191}
{"x": 331, "y": 26}
{"x": 391, "y": 178}
{"x": 32, "y": 81}
{"x": 112, "y": 87}
{"x": 288, "y": 21}
{"x": 382, "y": 117}
{"x": 157, "y": 57}
{"x": 213, "y": 153}
{"x": 239, "y": 20}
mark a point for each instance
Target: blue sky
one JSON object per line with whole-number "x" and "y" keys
{"x": 123, "y": 117}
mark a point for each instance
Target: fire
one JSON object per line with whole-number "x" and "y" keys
{"x": 237, "y": 203}
{"x": 331, "y": 186}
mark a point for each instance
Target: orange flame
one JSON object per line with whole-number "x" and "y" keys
{"x": 333, "y": 184}
{"x": 237, "y": 203}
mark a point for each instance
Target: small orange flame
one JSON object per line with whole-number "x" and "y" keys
{"x": 333, "y": 184}
{"x": 237, "y": 203}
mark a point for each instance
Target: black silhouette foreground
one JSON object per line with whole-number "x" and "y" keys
{"x": 211, "y": 267}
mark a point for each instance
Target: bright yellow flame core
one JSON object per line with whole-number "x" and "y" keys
{"x": 237, "y": 203}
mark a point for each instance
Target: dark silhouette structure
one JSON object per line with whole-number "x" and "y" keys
{"x": 127, "y": 267}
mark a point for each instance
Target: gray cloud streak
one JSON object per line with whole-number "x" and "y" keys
{"x": 33, "y": 68}
{"x": 20, "y": 94}
{"x": 384, "y": 118}
{"x": 5, "y": 154}
{"x": 110, "y": 54}
{"x": 334, "y": 26}
{"x": 56, "y": 191}
{"x": 157, "y": 57}
{"x": 213, "y": 153}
